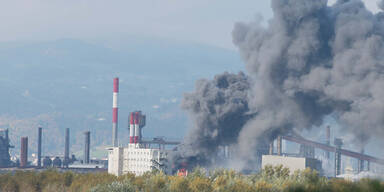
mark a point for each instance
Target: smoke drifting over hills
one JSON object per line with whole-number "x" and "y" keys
{"x": 381, "y": 4}
{"x": 311, "y": 61}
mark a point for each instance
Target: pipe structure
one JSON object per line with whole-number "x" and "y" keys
{"x": 66, "y": 149}
{"x": 332, "y": 149}
{"x": 271, "y": 148}
{"x": 24, "y": 152}
{"x": 87, "y": 143}
{"x": 307, "y": 151}
{"x": 131, "y": 128}
{"x": 360, "y": 166}
{"x": 327, "y": 139}
{"x": 39, "y": 138}
{"x": 337, "y": 161}
{"x": 160, "y": 141}
{"x": 338, "y": 143}
{"x": 115, "y": 112}
{"x": 279, "y": 145}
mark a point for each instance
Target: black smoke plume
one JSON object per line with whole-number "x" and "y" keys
{"x": 219, "y": 109}
{"x": 312, "y": 60}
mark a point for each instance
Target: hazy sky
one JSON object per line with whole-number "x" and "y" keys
{"x": 201, "y": 21}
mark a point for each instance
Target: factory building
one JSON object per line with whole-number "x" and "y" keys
{"x": 292, "y": 163}
{"x": 308, "y": 158}
{"x": 137, "y": 157}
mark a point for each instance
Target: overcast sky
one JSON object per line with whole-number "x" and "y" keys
{"x": 200, "y": 21}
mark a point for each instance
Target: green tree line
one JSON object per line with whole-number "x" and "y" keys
{"x": 270, "y": 179}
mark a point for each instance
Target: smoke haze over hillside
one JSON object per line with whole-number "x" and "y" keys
{"x": 68, "y": 84}
{"x": 313, "y": 60}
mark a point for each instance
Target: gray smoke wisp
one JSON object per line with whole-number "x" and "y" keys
{"x": 312, "y": 60}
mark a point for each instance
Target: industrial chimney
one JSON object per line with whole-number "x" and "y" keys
{"x": 131, "y": 128}
{"x": 24, "y": 152}
{"x": 39, "y": 137}
{"x": 66, "y": 149}
{"x": 136, "y": 124}
{"x": 115, "y": 112}
{"x": 137, "y": 128}
{"x": 87, "y": 143}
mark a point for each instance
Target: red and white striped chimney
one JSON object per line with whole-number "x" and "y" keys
{"x": 137, "y": 128}
{"x": 131, "y": 128}
{"x": 115, "y": 111}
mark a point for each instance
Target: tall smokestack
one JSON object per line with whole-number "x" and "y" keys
{"x": 115, "y": 112}
{"x": 87, "y": 143}
{"x": 39, "y": 137}
{"x": 131, "y": 128}
{"x": 24, "y": 152}
{"x": 137, "y": 128}
{"x": 66, "y": 149}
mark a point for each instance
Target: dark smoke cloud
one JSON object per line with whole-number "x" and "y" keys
{"x": 381, "y": 4}
{"x": 311, "y": 61}
{"x": 219, "y": 108}
{"x": 316, "y": 60}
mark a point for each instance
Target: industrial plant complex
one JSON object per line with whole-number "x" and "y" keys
{"x": 307, "y": 158}
{"x": 39, "y": 161}
{"x": 192, "y": 96}
{"x": 139, "y": 156}
{"x": 145, "y": 155}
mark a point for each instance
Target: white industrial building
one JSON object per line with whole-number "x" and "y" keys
{"x": 136, "y": 159}
{"x": 292, "y": 163}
